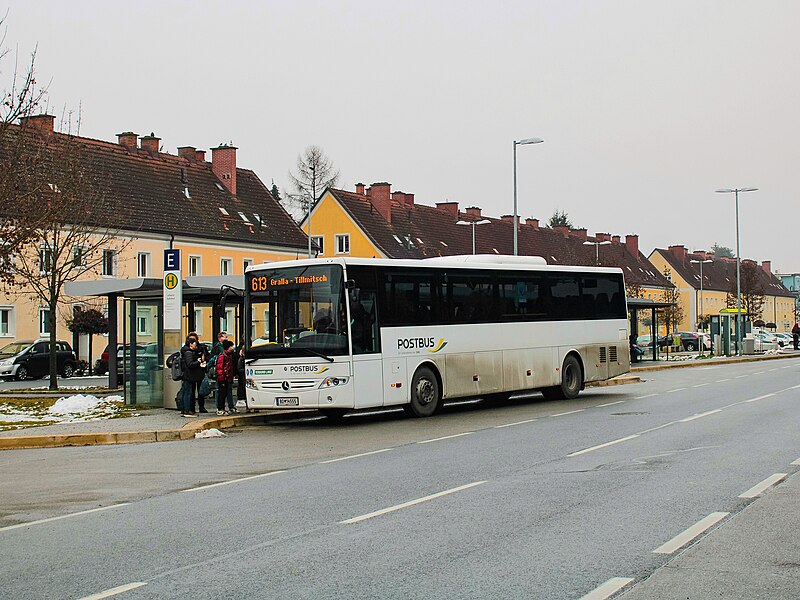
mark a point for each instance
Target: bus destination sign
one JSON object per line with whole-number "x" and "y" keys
{"x": 262, "y": 282}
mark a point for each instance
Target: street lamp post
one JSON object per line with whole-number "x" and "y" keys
{"x": 700, "y": 262}
{"x": 473, "y": 223}
{"x": 596, "y": 248}
{"x": 516, "y": 217}
{"x": 736, "y": 191}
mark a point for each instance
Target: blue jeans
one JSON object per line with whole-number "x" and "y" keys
{"x": 185, "y": 405}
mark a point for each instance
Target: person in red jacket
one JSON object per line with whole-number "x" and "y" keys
{"x": 225, "y": 375}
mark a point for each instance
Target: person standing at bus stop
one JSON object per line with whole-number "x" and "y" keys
{"x": 192, "y": 374}
{"x": 225, "y": 372}
{"x": 796, "y": 335}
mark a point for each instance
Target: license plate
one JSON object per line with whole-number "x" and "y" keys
{"x": 287, "y": 401}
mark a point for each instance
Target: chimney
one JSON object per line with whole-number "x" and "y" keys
{"x": 150, "y": 143}
{"x": 533, "y": 223}
{"x": 507, "y": 218}
{"x": 473, "y": 211}
{"x": 409, "y": 200}
{"x": 632, "y": 242}
{"x": 200, "y": 155}
{"x": 399, "y": 197}
{"x": 42, "y": 123}
{"x": 223, "y": 164}
{"x": 767, "y": 266}
{"x": 360, "y": 189}
{"x": 187, "y": 152}
{"x": 749, "y": 261}
{"x": 678, "y": 251}
{"x": 579, "y": 233}
{"x": 615, "y": 239}
{"x": 380, "y": 196}
{"x": 602, "y": 237}
{"x": 128, "y": 139}
{"x": 562, "y": 229}
{"x": 449, "y": 207}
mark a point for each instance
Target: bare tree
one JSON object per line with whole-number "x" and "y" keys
{"x": 752, "y": 291}
{"x": 670, "y": 315}
{"x": 68, "y": 211}
{"x": 21, "y": 98}
{"x": 315, "y": 172}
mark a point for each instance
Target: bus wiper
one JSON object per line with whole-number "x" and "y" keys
{"x": 314, "y": 352}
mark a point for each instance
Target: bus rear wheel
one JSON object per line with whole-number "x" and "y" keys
{"x": 426, "y": 397}
{"x": 571, "y": 381}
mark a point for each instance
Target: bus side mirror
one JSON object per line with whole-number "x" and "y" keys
{"x": 354, "y": 294}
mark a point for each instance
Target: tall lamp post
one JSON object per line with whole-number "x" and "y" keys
{"x": 516, "y": 217}
{"x": 596, "y": 245}
{"x": 701, "y": 263}
{"x": 473, "y": 223}
{"x": 736, "y": 191}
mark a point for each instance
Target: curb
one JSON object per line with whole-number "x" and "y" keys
{"x": 619, "y": 380}
{"x": 711, "y": 362}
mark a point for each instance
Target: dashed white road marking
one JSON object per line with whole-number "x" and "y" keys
{"x": 675, "y": 390}
{"x": 512, "y": 424}
{"x": 760, "y": 488}
{"x": 701, "y": 384}
{"x": 383, "y": 511}
{"x": 333, "y": 460}
{"x": 606, "y": 445}
{"x": 645, "y": 396}
{"x": 760, "y": 372}
{"x": 721, "y": 380}
{"x": 447, "y": 437}
{"x": 213, "y": 485}
{"x": 114, "y": 591}
{"x": 608, "y": 589}
{"x": 683, "y": 538}
{"x": 700, "y": 416}
{"x": 51, "y": 519}
{"x": 609, "y": 404}
{"x": 740, "y": 376}
{"x": 569, "y": 412}
{"x": 760, "y": 398}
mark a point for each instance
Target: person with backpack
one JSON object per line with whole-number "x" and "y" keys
{"x": 193, "y": 373}
{"x": 225, "y": 372}
{"x": 241, "y": 386}
{"x": 198, "y": 397}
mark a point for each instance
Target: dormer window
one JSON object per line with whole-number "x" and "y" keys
{"x": 224, "y": 212}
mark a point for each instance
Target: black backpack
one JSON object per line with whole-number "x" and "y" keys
{"x": 211, "y": 367}
{"x": 175, "y": 365}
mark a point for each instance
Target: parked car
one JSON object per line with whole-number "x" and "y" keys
{"x": 690, "y": 340}
{"x": 646, "y": 341}
{"x": 784, "y": 339}
{"x": 26, "y": 359}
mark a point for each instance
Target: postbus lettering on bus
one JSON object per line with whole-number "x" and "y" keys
{"x": 415, "y": 343}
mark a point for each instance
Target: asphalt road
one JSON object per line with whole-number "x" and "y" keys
{"x": 528, "y": 499}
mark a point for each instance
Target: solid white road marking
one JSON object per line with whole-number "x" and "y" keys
{"x": 77, "y": 514}
{"x": 378, "y": 513}
{"x": 333, "y": 460}
{"x": 512, "y": 424}
{"x": 700, "y": 416}
{"x": 571, "y": 412}
{"x": 687, "y": 536}
{"x": 610, "y": 404}
{"x": 608, "y": 589}
{"x": 447, "y": 437}
{"x": 114, "y": 591}
{"x": 213, "y": 485}
{"x": 760, "y": 488}
{"x": 759, "y": 398}
{"x": 619, "y": 441}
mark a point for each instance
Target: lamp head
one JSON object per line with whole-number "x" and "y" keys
{"x": 528, "y": 141}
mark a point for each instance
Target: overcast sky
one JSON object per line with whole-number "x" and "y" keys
{"x": 646, "y": 107}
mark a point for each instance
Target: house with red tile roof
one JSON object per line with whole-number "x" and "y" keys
{"x": 221, "y": 216}
{"x": 718, "y": 283}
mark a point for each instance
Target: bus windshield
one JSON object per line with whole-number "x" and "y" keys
{"x": 297, "y": 311}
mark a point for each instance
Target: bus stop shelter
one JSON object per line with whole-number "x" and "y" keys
{"x": 144, "y": 348}
{"x": 636, "y": 306}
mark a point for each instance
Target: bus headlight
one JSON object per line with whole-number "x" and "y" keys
{"x": 251, "y": 384}
{"x": 333, "y": 382}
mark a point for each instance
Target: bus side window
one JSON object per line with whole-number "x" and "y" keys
{"x": 363, "y": 324}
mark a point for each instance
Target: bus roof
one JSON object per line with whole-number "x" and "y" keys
{"x": 461, "y": 261}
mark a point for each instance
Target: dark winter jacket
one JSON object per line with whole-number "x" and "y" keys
{"x": 191, "y": 362}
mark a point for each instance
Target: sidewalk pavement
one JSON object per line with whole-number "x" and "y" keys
{"x": 753, "y": 553}
{"x": 161, "y": 425}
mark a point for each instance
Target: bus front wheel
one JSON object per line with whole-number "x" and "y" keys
{"x": 571, "y": 381}
{"x": 426, "y": 397}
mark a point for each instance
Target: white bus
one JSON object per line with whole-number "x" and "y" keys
{"x": 337, "y": 334}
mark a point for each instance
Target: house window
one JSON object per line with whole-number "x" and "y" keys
{"x": 320, "y": 243}
{"x": 144, "y": 322}
{"x": 226, "y": 266}
{"x": 195, "y": 266}
{"x": 109, "y": 263}
{"x": 45, "y": 259}
{"x": 7, "y": 321}
{"x": 79, "y": 256}
{"x": 143, "y": 264}
{"x": 44, "y": 322}
{"x": 226, "y": 322}
{"x": 247, "y": 262}
{"x": 343, "y": 243}
{"x": 198, "y": 321}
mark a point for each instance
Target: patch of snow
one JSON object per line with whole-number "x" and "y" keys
{"x": 208, "y": 433}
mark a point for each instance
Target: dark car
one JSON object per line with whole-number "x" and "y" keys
{"x": 26, "y": 359}
{"x": 689, "y": 340}
{"x": 646, "y": 341}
